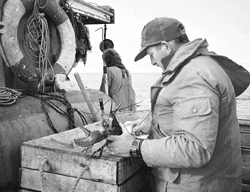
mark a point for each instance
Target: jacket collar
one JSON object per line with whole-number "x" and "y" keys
{"x": 185, "y": 52}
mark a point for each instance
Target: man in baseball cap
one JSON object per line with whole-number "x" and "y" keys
{"x": 193, "y": 141}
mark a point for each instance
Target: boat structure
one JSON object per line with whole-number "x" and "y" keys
{"x": 42, "y": 112}
{"x": 40, "y": 43}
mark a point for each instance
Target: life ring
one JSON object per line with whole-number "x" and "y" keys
{"x": 13, "y": 11}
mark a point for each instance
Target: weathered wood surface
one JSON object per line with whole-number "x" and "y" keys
{"x": 64, "y": 183}
{"x": 243, "y": 112}
{"x": 245, "y": 152}
{"x": 243, "y": 107}
{"x": 245, "y": 187}
{"x": 65, "y": 160}
{"x": 94, "y": 14}
{"x": 108, "y": 173}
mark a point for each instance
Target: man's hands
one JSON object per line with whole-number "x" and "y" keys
{"x": 120, "y": 145}
{"x": 143, "y": 128}
{"x": 135, "y": 129}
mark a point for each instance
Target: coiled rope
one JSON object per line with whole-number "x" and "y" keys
{"x": 38, "y": 41}
{"x": 83, "y": 170}
{"x": 8, "y": 96}
{"x": 42, "y": 178}
{"x": 47, "y": 99}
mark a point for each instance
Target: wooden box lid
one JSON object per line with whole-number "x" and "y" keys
{"x": 65, "y": 160}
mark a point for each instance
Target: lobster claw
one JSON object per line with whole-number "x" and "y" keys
{"x": 91, "y": 139}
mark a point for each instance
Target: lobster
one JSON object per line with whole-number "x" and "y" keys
{"x": 111, "y": 127}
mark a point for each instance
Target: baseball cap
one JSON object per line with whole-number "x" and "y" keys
{"x": 158, "y": 30}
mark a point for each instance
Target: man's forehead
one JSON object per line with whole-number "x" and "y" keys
{"x": 153, "y": 48}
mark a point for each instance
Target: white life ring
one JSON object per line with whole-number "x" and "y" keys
{"x": 13, "y": 11}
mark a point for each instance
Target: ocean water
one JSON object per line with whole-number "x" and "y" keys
{"x": 142, "y": 83}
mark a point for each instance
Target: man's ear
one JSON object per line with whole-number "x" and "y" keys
{"x": 172, "y": 46}
{"x": 167, "y": 44}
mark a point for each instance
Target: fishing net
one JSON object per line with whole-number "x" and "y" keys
{"x": 81, "y": 32}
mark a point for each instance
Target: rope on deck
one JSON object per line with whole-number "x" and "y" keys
{"x": 41, "y": 174}
{"x": 84, "y": 169}
{"x": 8, "y": 96}
{"x": 47, "y": 99}
{"x": 42, "y": 178}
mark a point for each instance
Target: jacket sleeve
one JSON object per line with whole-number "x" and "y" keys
{"x": 195, "y": 115}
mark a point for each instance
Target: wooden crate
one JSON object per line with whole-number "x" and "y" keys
{"x": 64, "y": 164}
{"x": 245, "y": 151}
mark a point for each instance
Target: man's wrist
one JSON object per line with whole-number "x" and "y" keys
{"x": 135, "y": 149}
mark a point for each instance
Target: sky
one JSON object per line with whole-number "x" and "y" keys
{"x": 225, "y": 24}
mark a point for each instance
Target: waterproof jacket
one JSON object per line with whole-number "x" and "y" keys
{"x": 194, "y": 144}
{"x": 120, "y": 89}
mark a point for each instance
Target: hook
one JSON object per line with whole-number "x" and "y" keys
{"x": 102, "y": 31}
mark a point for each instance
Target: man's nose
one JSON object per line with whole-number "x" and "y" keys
{"x": 153, "y": 63}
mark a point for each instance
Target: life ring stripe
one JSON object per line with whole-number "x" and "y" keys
{"x": 59, "y": 16}
{"x": 49, "y": 7}
{"x": 67, "y": 55}
{"x": 9, "y": 39}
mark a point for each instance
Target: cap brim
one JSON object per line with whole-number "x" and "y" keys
{"x": 142, "y": 53}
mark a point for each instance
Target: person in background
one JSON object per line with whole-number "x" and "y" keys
{"x": 119, "y": 81}
{"x": 193, "y": 141}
